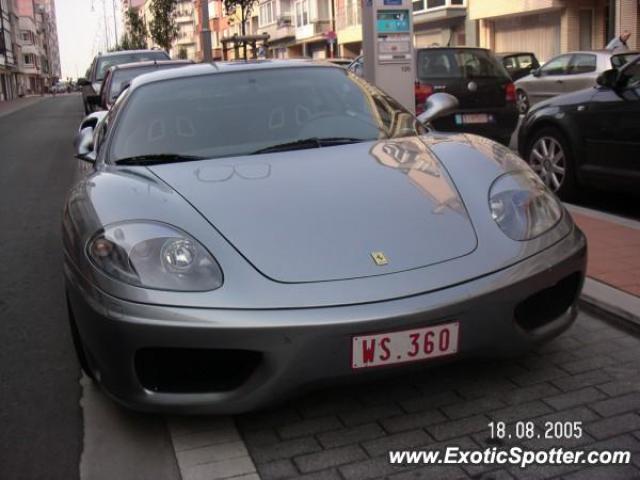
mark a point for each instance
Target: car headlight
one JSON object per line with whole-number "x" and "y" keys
{"x": 154, "y": 255}
{"x": 522, "y": 206}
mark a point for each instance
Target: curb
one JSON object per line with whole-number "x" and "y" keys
{"x": 617, "y": 307}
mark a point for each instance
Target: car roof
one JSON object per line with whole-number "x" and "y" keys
{"x": 149, "y": 63}
{"x": 201, "y": 69}
{"x": 128, "y": 52}
{"x": 509, "y": 54}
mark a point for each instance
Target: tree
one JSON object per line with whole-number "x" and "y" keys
{"x": 137, "y": 30}
{"x": 163, "y": 27}
{"x": 245, "y": 7}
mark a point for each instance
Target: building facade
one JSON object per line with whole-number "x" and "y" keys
{"x": 8, "y": 51}
{"x": 184, "y": 46}
{"x": 550, "y": 27}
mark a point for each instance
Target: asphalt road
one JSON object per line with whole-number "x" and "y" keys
{"x": 40, "y": 417}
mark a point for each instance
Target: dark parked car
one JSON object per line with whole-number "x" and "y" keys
{"x": 92, "y": 83}
{"x": 518, "y": 64}
{"x": 590, "y": 137}
{"x": 118, "y": 77}
{"x": 486, "y": 94}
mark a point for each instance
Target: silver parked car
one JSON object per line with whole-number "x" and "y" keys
{"x": 243, "y": 230}
{"x": 567, "y": 73}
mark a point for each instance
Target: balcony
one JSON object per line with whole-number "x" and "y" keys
{"x": 429, "y": 10}
{"x": 313, "y": 29}
{"x": 284, "y": 27}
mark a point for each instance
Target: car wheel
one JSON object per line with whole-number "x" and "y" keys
{"x": 522, "y": 101}
{"x": 549, "y": 156}
{"x": 78, "y": 345}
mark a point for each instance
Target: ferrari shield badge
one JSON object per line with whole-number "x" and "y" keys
{"x": 379, "y": 258}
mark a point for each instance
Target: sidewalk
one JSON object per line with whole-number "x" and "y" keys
{"x": 10, "y": 106}
{"x": 614, "y": 249}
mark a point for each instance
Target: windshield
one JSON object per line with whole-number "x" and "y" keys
{"x": 437, "y": 63}
{"x": 244, "y": 112}
{"x": 124, "y": 76}
{"x": 109, "y": 61}
{"x": 622, "y": 59}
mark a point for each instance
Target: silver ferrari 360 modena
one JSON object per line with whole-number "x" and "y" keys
{"x": 240, "y": 231}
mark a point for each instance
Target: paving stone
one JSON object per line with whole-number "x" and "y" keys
{"x": 612, "y": 426}
{"x": 542, "y": 472}
{"x": 211, "y": 453}
{"x": 370, "y": 414}
{"x": 381, "y": 394}
{"x": 202, "y": 439}
{"x": 610, "y": 472}
{"x": 458, "y": 428}
{"x": 286, "y": 449}
{"x": 574, "y": 398}
{"x": 331, "y": 474}
{"x": 431, "y": 472}
{"x": 219, "y": 470}
{"x": 410, "y": 421}
{"x": 309, "y": 427}
{"x": 576, "y": 414}
{"x": 525, "y": 394}
{"x": 520, "y": 412}
{"x": 346, "y": 436}
{"x": 399, "y": 441}
{"x": 277, "y": 470}
{"x": 581, "y": 380}
{"x": 428, "y": 402}
{"x": 373, "y": 468}
{"x": 617, "y": 405}
{"x": 586, "y": 364}
{"x": 494, "y": 475}
{"x": 539, "y": 376}
{"x": 267, "y": 419}
{"x": 620, "y": 387}
{"x": 257, "y": 438}
{"x": 324, "y": 407}
{"x": 329, "y": 458}
{"x": 472, "y": 407}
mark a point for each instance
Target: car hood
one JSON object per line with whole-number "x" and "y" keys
{"x": 331, "y": 213}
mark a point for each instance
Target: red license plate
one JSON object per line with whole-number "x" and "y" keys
{"x": 404, "y": 346}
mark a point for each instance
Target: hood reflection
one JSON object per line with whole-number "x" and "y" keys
{"x": 414, "y": 159}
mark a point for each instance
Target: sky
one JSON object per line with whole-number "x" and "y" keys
{"x": 81, "y": 32}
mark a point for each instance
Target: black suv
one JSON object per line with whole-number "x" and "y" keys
{"x": 92, "y": 83}
{"x": 484, "y": 90}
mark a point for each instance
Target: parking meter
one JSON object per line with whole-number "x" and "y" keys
{"x": 387, "y": 36}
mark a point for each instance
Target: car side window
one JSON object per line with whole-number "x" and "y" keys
{"x": 556, "y": 66}
{"x": 630, "y": 80}
{"x": 582, "y": 63}
{"x": 525, "y": 61}
{"x": 510, "y": 63}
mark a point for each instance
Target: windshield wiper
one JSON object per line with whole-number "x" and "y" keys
{"x": 313, "y": 142}
{"x": 158, "y": 159}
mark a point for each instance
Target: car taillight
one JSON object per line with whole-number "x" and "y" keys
{"x": 510, "y": 92}
{"x": 422, "y": 92}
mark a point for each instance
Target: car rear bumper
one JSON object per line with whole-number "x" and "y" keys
{"x": 501, "y": 130}
{"x": 295, "y": 348}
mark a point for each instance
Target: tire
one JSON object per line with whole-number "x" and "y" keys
{"x": 522, "y": 101}
{"x": 78, "y": 345}
{"x": 549, "y": 155}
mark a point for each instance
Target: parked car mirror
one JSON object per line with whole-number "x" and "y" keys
{"x": 83, "y": 144}
{"x": 83, "y": 81}
{"x": 536, "y": 72}
{"x": 438, "y": 105}
{"x": 608, "y": 78}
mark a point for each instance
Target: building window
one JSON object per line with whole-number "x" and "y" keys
{"x": 418, "y": 5}
{"x": 29, "y": 59}
{"x": 302, "y": 13}
{"x": 435, "y": 3}
{"x": 267, "y": 14}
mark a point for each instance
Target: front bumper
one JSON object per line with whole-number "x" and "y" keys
{"x": 300, "y": 347}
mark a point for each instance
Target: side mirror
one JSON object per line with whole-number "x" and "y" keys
{"x": 83, "y": 145}
{"x": 83, "y": 81}
{"x": 536, "y": 72}
{"x": 438, "y": 105}
{"x": 608, "y": 78}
